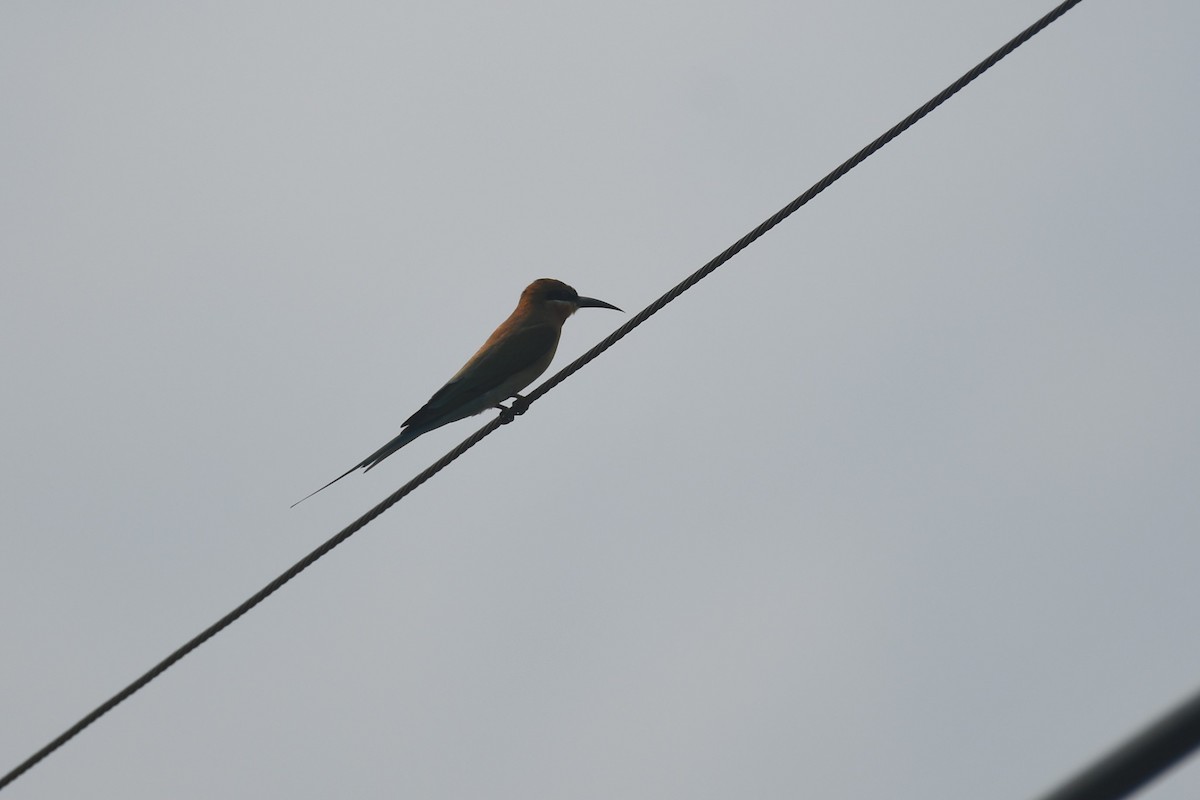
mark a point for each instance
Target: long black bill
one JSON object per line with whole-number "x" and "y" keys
{"x": 591, "y": 302}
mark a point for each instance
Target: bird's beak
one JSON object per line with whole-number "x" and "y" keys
{"x": 591, "y": 302}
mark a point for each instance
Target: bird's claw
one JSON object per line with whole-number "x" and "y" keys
{"x": 508, "y": 413}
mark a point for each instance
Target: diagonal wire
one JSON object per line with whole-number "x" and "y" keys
{"x": 552, "y": 382}
{"x": 820, "y": 186}
{"x": 1128, "y": 767}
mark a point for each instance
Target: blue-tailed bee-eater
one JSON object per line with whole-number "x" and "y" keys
{"x": 512, "y": 358}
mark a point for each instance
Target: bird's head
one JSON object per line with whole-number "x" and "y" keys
{"x": 555, "y": 297}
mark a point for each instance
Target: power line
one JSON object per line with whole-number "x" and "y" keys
{"x": 552, "y": 382}
{"x": 1141, "y": 759}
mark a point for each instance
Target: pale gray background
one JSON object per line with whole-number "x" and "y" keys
{"x": 902, "y": 503}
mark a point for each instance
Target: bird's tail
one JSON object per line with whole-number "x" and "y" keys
{"x": 326, "y": 486}
{"x": 406, "y": 436}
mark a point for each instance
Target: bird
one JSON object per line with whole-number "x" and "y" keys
{"x": 513, "y": 357}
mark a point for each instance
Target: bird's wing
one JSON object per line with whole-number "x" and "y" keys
{"x": 489, "y": 370}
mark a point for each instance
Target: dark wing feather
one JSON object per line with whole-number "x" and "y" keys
{"x": 513, "y": 354}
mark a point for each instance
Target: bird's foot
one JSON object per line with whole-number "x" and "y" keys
{"x": 508, "y": 413}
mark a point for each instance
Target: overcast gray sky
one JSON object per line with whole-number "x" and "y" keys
{"x": 902, "y": 503}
